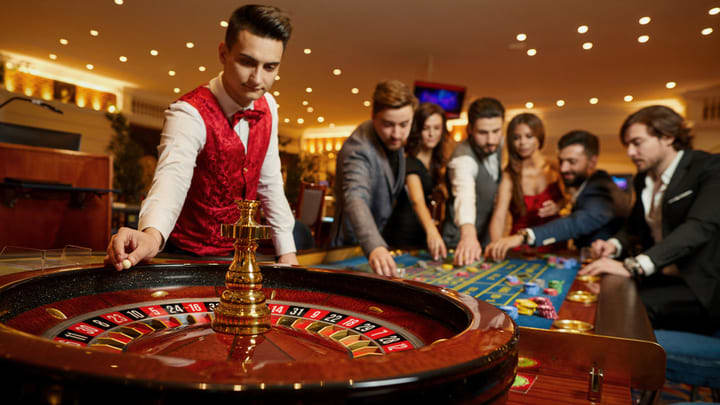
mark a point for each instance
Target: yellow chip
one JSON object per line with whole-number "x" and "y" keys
{"x": 525, "y": 303}
{"x": 447, "y": 266}
{"x": 525, "y": 311}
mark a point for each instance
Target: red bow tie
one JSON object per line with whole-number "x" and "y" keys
{"x": 249, "y": 115}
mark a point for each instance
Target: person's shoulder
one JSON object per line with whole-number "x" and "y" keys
{"x": 272, "y": 103}
{"x": 413, "y": 165}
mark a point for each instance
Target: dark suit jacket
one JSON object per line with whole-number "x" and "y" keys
{"x": 691, "y": 226}
{"x": 598, "y": 213}
{"x": 366, "y": 190}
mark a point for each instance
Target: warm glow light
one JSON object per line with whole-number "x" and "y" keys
{"x": 328, "y": 145}
{"x": 63, "y": 41}
{"x": 112, "y": 109}
{"x": 28, "y": 91}
{"x": 355, "y": 90}
{"x": 223, "y": 24}
{"x": 337, "y": 72}
{"x": 521, "y": 37}
{"x": 670, "y": 85}
{"x": 582, "y": 29}
{"x": 628, "y": 98}
{"x": 123, "y": 59}
{"x": 714, "y": 11}
{"x": 307, "y": 51}
{"x": 644, "y": 20}
{"x": 286, "y": 120}
{"x": 457, "y": 137}
{"x": 587, "y": 45}
{"x": 189, "y": 45}
{"x": 171, "y": 72}
{"x": 119, "y": 2}
{"x": 312, "y": 148}
{"x": 593, "y": 100}
{"x": 707, "y": 31}
{"x": 277, "y": 77}
{"x": 529, "y": 104}
{"x": 366, "y": 103}
{"x": 331, "y": 155}
{"x": 276, "y": 93}
{"x": 305, "y": 102}
{"x": 176, "y": 90}
{"x": 308, "y": 89}
{"x": 94, "y": 33}
{"x": 643, "y": 38}
{"x": 52, "y": 56}
{"x": 300, "y": 121}
{"x": 310, "y": 109}
{"x": 89, "y": 66}
{"x": 532, "y": 52}
{"x": 560, "y": 103}
{"x": 154, "y": 52}
{"x": 338, "y": 142}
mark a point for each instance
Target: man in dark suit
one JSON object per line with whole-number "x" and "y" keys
{"x": 598, "y": 208}
{"x": 370, "y": 175}
{"x": 672, "y": 239}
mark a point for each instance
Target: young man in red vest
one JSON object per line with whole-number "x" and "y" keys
{"x": 219, "y": 143}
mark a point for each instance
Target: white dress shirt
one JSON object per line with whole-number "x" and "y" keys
{"x": 655, "y": 223}
{"x": 463, "y": 171}
{"x": 182, "y": 139}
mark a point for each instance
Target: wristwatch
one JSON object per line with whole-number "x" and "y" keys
{"x": 525, "y": 235}
{"x": 633, "y": 267}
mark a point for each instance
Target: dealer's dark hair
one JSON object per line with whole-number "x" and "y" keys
{"x": 485, "y": 107}
{"x": 263, "y": 21}
{"x": 438, "y": 159}
{"x": 661, "y": 121}
{"x": 588, "y": 141}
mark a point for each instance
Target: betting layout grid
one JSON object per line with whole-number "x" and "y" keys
{"x": 114, "y": 328}
{"x": 488, "y": 284}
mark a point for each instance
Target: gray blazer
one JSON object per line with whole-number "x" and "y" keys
{"x": 365, "y": 190}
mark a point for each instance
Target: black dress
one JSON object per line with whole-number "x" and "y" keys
{"x": 404, "y": 229}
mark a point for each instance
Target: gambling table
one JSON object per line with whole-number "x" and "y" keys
{"x": 619, "y": 344}
{"x": 78, "y": 332}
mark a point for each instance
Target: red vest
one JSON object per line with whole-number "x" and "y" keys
{"x": 223, "y": 171}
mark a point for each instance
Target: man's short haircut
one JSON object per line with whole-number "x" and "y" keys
{"x": 392, "y": 94}
{"x": 661, "y": 121}
{"x": 485, "y": 107}
{"x": 263, "y": 21}
{"x": 589, "y": 142}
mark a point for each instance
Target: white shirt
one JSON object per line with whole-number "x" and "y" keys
{"x": 463, "y": 171}
{"x": 182, "y": 139}
{"x": 646, "y": 196}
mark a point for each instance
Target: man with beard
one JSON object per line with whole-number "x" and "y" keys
{"x": 671, "y": 240}
{"x": 598, "y": 204}
{"x": 473, "y": 175}
{"x": 371, "y": 174}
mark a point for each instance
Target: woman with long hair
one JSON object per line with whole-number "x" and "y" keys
{"x": 412, "y": 224}
{"x": 530, "y": 187}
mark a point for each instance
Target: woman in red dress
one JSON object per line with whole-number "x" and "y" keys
{"x": 530, "y": 188}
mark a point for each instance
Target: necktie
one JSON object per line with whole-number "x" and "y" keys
{"x": 655, "y": 213}
{"x": 250, "y": 116}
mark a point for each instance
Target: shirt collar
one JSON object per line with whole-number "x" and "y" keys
{"x": 666, "y": 176}
{"x": 228, "y": 105}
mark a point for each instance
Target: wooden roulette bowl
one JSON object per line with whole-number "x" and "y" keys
{"x": 86, "y": 334}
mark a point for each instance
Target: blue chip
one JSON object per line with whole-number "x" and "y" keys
{"x": 532, "y": 288}
{"x": 511, "y": 311}
{"x": 511, "y": 279}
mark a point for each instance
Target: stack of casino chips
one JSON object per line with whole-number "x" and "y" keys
{"x": 544, "y": 307}
{"x": 525, "y": 306}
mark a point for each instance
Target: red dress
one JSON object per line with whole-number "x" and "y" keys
{"x": 533, "y": 203}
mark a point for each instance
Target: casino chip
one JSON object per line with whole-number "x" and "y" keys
{"x": 511, "y": 311}
{"x": 544, "y": 307}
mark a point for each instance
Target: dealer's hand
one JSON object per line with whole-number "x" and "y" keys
{"x": 382, "y": 262}
{"x": 436, "y": 245}
{"x": 605, "y": 265}
{"x": 129, "y": 246}
{"x": 498, "y": 250}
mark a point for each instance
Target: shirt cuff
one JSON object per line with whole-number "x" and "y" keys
{"x": 531, "y": 237}
{"x": 646, "y": 263}
{"x": 284, "y": 243}
{"x": 618, "y": 248}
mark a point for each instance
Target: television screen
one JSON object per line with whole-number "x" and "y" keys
{"x": 623, "y": 181}
{"x": 447, "y": 96}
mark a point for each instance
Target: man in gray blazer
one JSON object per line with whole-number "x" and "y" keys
{"x": 473, "y": 177}
{"x": 370, "y": 175}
